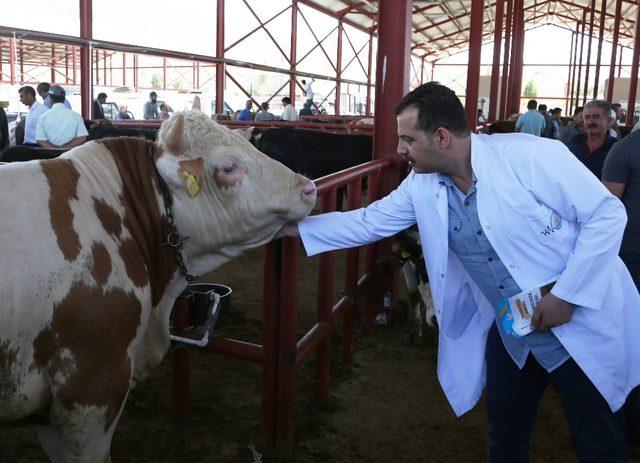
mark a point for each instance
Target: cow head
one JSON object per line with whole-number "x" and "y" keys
{"x": 228, "y": 197}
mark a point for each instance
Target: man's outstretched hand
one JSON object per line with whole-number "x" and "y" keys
{"x": 289, "y": 229}
{"x": 551, "y": 311}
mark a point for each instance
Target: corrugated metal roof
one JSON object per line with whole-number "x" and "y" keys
{"x": 441, "y": 27}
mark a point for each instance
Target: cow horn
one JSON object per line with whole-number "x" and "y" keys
{"x": 174, "y": 142}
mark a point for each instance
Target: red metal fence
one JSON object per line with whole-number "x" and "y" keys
{"x": 341, "y": 125}
{"x": 281, "y": 352}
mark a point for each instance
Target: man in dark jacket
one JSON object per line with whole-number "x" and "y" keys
{"x": 98, "y": 113}
{"x": 4, "y": 126}
{"x": 592, "y": 147}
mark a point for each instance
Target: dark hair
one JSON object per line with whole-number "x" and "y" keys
{"x": 43, "y": 87}
{"x": 616, "y": 106}
{"x": 102, "y": 95}
{"x": 264, "y": 105}
{"x": 532, "y": 104}
{"x": 56, "y": 98}
{"x": 578, "y": 110}
{"x": 286, "y": 100}
{"x": 556, "y": 111}
{"x": 438, "y": 106}
{"x": 542, "y": 107}
{"x": 152, "y": 94}
{"x": 27, "y": 89}
{"x": 303, "y": 81}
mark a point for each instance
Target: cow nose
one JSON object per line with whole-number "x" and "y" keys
{"x": 308, "y": 189}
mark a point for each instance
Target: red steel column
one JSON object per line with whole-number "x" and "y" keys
{"x": 513, "y": 59}
{"x": 293, "y": 57}
{"x": 86, "y": 72}
{"x": 568, "y": 89}
{"x": 584, "y": 21}
{"x": 392, "y": 78}
{"x": 220, "y": 66}
{"x": 505, "y": 62}
{"x": 367, "y": 110}
{"x": 614, "y": 50}
{"x": 633, "y": 87}
{"x": 517, "y": 84}
{"x": 473, "y": 70}
{"x": 339, "y": 66}
{"x": 574, "y": 66}
{"x": 12, "y": 61}
{"x": 603, "y": 10}
{"x": 164, "y": 73}
{"x": 495, "y": 69}
{"x": 588, "y": 64}
{"x": 124, "y": 68}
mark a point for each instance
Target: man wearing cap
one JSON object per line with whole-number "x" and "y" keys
{"x": 28, "y": 98}
{"x": 43, "y": 91}
{"x": 60, "y": 127}
{"x": 150, "y": 109}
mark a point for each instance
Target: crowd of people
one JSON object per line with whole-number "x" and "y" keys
{"x": 52, "y": 123}
{"x": 289, "y": 112}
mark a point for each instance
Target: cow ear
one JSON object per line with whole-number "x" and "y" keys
{"x": 174, "y": 141}
{"x": 192, "y": 172}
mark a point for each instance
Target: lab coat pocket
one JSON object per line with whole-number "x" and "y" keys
{"x": 458, "y": 312}
{"x": 546, "y": 224}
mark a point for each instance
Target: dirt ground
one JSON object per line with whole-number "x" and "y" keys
{"x": 386, "y": 407}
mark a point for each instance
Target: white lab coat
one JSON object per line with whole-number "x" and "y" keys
{"x": 521, "y": 181}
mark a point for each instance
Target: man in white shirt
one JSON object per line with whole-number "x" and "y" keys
{"x": 60, "y": 127}
{"x": 28, "y": 98}
{"x": 498, "y": 215}
{"x": 289, "y": 113}
{"x": 308, "y": 91}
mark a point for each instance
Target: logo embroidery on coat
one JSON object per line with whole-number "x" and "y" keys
{"x": 555, "y": 223}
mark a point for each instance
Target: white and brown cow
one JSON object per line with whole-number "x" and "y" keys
{"x": 86, "y": 286}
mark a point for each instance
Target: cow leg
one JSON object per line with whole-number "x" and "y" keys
{"x": 78, "y": 434}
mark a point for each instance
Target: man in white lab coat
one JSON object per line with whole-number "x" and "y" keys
{"x": 498, "y": 215}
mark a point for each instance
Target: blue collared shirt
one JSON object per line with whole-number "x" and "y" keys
{"x": 531, "y": 122}
{"x": 469, "y": 243}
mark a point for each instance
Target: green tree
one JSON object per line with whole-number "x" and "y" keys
{"x": 156, "y": 81}
{"x": 530, "y": 89}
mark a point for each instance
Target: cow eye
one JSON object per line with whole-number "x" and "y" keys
{"x": 229, "y": 168}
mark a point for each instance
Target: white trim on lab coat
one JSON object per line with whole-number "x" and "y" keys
{"x": 545, "y": 215}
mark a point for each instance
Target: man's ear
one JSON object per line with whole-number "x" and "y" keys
{"x": 442, "y": 138}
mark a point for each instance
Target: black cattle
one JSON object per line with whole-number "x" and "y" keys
{"x": 29, "y": 153}
{"x": 314, "y": 154}
{"x": 106, "y": 131}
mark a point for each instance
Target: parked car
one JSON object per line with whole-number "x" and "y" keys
{"x": 111, "y": 110}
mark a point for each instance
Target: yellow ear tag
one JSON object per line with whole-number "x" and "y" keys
{"x": 192, "y": 185}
